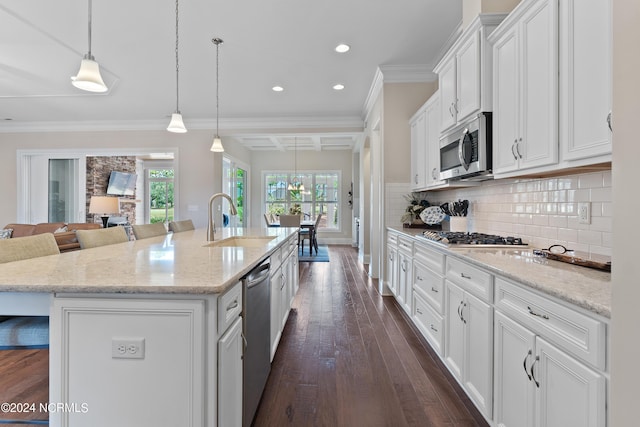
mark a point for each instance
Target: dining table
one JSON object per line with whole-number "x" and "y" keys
{"x": 307, "y": 224}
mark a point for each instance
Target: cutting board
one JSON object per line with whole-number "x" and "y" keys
{"x": 576, "y": 258}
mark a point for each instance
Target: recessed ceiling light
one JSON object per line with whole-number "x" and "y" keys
{"x": 342, "y": 48}
{"x": 277, "y": 88}
{"x": 338, "y": 86}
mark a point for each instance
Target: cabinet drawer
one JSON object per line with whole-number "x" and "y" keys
{"x": 229, "y": 307}
{"x": 428, "y": 322}
{"x": 405, "y": 244}
{"x": 430, "y": 285}
{"x": 472, "y": 279}
{"x": 580, "y": 335}
{"x": 392, "y": 238}
{"x": 432, "y": 259}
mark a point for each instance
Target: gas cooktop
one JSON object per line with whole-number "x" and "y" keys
{"x": 466, "y": 240}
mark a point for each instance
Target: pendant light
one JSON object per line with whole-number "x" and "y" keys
{"x": 217, "y": 147}
{"x": 295, "y": 185}
{"x": 88, "y": 77}
{"x": 176, "y": 124}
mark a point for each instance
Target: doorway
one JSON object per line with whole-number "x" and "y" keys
{"x": 235, "y": 176}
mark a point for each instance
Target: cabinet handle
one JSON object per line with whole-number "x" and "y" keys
{"x": 403, "y": 266}
{"x": 524, "y": 363}
{"x": 533, "y": 377}
{"x": 433, "y": 173}
{"x": 460, "y": 312}
{"x": 416, "y": 178}
{"x": 609, "y": 121}
{"x": 233, "y": 305}
{"x": 244, "y": 342}
{"x": 419, "y": 278}
{"x": 455, "y": 106}
{"x": 450, "y": 109}
{"x": 418, "y": 310}
{"x": 533, "y": 313}
{"x": 390, "y": 257}
{"x": 518, "y": 148}
{"x": 513, "y": 146}
{"x": 434, "y": 290}
{"x": 433, "y": 328}
{"x": 464, "y": 276}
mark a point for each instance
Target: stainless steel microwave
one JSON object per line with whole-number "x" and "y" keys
{"x": 466, "y": 151}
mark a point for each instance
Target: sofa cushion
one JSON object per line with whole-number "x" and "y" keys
{"x": 47, "y": 227}
{"x": 21, "y": 230}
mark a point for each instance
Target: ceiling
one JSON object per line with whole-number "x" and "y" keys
{"x": 266, "y": 43}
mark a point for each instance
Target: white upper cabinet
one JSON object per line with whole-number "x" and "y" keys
{"x": 464, "y": 73}
{"x": 525, "y": 88}
{"x": 585, "y": 78}
{"x": 425, "y": 148}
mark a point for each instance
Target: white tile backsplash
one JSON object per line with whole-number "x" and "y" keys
{"x": 543, "y": 211}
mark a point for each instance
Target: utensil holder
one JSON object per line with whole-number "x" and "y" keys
{"x": 458, "y": 224}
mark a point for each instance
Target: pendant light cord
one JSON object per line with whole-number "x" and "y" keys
{"x": 177, "y": 65}
{"x": 89, "y": 56}
{"x": 217, "y": 42}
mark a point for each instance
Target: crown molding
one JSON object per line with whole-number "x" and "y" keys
{"x": 235, "y": 124}
{"x": 408, "y": 73}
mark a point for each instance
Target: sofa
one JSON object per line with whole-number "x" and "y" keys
{"x": 65, "y": 234}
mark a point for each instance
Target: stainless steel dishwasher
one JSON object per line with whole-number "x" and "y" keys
{"x": 257, "y": 332}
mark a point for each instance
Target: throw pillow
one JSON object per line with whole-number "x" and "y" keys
{"x": 62, "y": 229}
{"x": 6, "y": 233}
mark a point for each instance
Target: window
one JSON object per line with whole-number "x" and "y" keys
{"x": 160, "y": 195}
{"x": 234, "y": 183}
{"x": 321, "y": 195}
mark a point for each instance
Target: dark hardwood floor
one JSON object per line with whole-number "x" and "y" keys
{"x": 349, "y": 357}
{"x": 24, "y": 378}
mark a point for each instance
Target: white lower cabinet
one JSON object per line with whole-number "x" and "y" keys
{"x": 469, "y": 345}
{"x": 284, "y": 286}
{"x": 230, "y": 348}
{"x": 403, "y": 291}
{"x": 428, "y": 321}
{"x": 538, "y": 384}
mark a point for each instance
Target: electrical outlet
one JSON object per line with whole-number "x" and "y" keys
{"x": 584, "y": 213}
{"x": 127, "y": 348}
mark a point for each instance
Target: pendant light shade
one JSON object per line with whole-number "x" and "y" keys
{"x": 176, "y": 125}
{"x": 217, "y": 147}
{"x": 88, "y": 77}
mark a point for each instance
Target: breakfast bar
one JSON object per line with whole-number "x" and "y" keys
{"x": 146, "y": 332}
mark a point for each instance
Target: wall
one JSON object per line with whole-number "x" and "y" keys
{"x": 98, "y": 173}
{"x": 625, "y": 346}
{"x": 307, "y": 161}
{"x": 542, "y": 211}
{"x": 195, "y": 166}
{"x": 471, "y": 8}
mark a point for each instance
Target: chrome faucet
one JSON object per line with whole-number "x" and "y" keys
{"x": 211, "y": 226}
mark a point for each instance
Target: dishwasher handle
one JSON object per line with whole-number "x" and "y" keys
{"x": 257, "y": 275}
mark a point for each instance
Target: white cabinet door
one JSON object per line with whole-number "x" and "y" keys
{"x": 569, "y": 393}
{"x": 506, "y": 100}
{"x": 418, "y": 152}
{"x": 454, "y": 330}
{"x": 538, "y": 139}
{"x": 585, "y": 78}
{"x": 284, "y": 293}
{"x": 468, "y": 77}
{"x": 433, "y": 141}
{"x": 447, "y": 85}
{"x": 276, "y": 284}
{"x": 525, "y": 84}
{"x": 478, "y": 379}
{"x": 513, "y": 356}
{"x": 392, "y": 269}
{"x": 404, "y": 281}
{"x": 230, "y": 348}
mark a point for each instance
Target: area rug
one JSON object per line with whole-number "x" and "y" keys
{"x": 321, "y": 256}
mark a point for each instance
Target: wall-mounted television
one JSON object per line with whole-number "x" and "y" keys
{"x": 122, "y": 184}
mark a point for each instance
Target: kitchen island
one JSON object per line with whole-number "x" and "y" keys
{"x": 148, "y": 332}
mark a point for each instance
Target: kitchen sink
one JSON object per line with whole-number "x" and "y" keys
{"x": 242, "y": 242}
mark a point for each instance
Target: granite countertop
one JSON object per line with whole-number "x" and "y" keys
{"x": 179, "y": 263}
{"x": 584, "y": 287}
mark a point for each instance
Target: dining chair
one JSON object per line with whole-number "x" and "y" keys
{"x": 25, "y": 332}
{"x": 267, "y": 220}
{"x": 101, "y": 237}
{"x": 26, "y": 247}
{"x": 145, "y": 231}
{"x": 291, "y": 221}
{"x": 311, "y": 235}
{"x": 179, "y": 226}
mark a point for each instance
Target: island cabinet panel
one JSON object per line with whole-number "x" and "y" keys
{"x": 230, "y": 348}
{"x": 128, "y": 361}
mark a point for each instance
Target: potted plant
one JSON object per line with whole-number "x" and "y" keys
{"x": 417, "y": 202}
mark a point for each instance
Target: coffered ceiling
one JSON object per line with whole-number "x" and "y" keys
{"x": 289, "y": 43}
